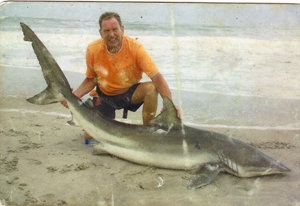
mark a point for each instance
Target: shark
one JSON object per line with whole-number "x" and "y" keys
{"x": 166, "y": 143}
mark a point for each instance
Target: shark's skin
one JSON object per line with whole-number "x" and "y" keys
{"x": 166, "y": 144}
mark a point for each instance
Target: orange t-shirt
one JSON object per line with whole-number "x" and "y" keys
{"x": 115, "y": 73}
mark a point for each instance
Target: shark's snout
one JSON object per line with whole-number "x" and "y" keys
{"x": 277, "y": 166}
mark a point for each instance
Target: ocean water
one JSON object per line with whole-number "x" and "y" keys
{"x": 220, "y": 75}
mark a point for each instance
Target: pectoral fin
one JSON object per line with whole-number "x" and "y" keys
{"x": 204, "y": 176}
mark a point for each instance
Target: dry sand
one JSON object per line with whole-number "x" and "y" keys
{"x": 43, "y": 161}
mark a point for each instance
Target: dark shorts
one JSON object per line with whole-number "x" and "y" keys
{"x": 109, "y": 104}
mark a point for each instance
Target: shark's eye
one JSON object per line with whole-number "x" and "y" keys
{"x": 197, "y": 145}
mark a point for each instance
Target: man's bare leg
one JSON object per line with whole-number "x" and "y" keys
{"x": 147, "y": 93}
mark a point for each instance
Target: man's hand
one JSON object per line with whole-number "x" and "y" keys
{"x": 65, "y": 104}
{"x": 177, "y": 109}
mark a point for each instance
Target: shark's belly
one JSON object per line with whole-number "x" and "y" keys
{"x": 162, "y": 159}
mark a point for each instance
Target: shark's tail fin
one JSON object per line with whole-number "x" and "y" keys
{"x": 58, "y": 85}
{"x": 28, "y": 33}
{"x": 44, "y": 97}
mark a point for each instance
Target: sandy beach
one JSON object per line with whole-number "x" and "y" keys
{"x": 43, "y": 161}
{"x": 234, "y": 70}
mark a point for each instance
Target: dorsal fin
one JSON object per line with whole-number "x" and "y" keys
{"x": 168, "y": 119}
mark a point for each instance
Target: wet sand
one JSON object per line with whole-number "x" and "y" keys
{"x": 43, "y": 161}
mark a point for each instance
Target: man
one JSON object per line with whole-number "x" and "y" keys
{"x": 115, "y": 64}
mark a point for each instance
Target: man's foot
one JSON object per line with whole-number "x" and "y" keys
{"x": 88, "y": 139}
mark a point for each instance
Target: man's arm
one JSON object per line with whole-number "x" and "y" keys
{"x": 161, "y": 85}
{"x": 163, "y": 89}
{"x": 85, "y": 87}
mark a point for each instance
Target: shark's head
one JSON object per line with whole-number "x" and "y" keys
{"x": 263, "y": 165}
{"x": 249, "y": 162}
{"x": 274, "y": 167}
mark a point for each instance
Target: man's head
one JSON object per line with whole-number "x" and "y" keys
{"x": 110, "y": 15}
{"x": 111, "y": 30}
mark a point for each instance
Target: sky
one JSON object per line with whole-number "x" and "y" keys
{"x": 182, "y": 13}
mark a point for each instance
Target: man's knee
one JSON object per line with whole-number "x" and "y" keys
{"x": 150, "y": 89}
{"x": 145, "y": 91}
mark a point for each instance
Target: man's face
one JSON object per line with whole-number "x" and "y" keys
{"x": 112, "y": 33}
